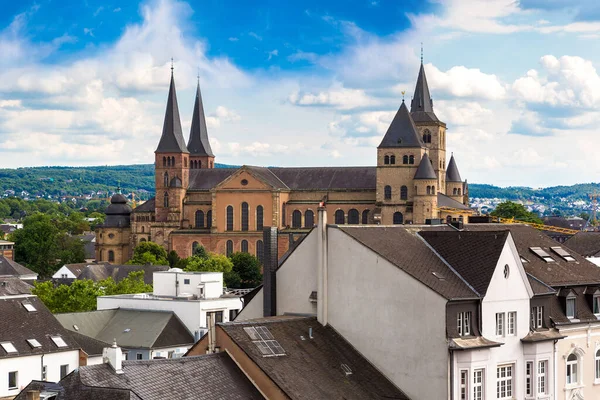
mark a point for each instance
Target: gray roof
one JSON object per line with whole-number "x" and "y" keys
{"x": 206, "y": 377}
{"x": 117, "y": 213}
{"x": 421, "y": 106}
{"x": 131, "y": 328}
{"x": 172, "y": 140}
{"x": 296, "y": 178}
{"x": 585, "y": 243}
{"x": 312, "y": 368}
{"x": 91, "y": 346}
{"x": 412, "y": 255}
{"x": 452, "y": 174}
{"x": 12, "y": 285}
{"x": 199, "y": 145}
{"x": 402, "y": 131}
{"x": 445, "y": 201}
{"x": 98, "y": 272}
{"x": 425, "y": 170}
{"x": 18, "y": 325}
{"x": 147, "y": 206}
{"x": 12, "y": 268}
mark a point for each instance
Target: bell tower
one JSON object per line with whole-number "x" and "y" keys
{"x": 171, "y": 164}
{"x": 201, "y": 155}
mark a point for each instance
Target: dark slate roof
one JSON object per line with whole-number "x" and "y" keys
{"x": 10, "y": 285}
{"x": 474, "y": 255}
{"x": 402, "y": 131}
{"x": 46, "y": 387}
{"x": 172, "y": 140}
{"x": 425, "y": 170}
{"x": 312, "y": 368}
{"x": 206, "y": 377}
{"x": 199, "y": 145}
{"x": 585, "y": 243}
{"x": 296, "y": 178}
{"x": 555, "y": 274}
{"x": 412, "y": 255}
{"x": 92, "y": 347}
{"x": 131, "y": 328}
{"x": 98, "y": 272}
{"x": 147, "y": 206}
{"x": 539, "y": 287}
{"x": 117, "y": 213}
{"x": 421, "y": 106}
{"x": 18, "y": 325}
{"x": 452, "y": 174}
{"x": 12, "y": 268}
{"x": 445, "y": 201}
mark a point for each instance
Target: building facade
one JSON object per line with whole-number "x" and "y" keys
{"x": 225, "y": 209}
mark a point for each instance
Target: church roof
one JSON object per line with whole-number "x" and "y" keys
{"x": 425, "y": 170}
{"x": 421, "y": 106}
{"x": 198, "y": 145}
{"x": 402, "y": 131}
{"x": 452, "y": 174}
{"x": 172, "y": 140}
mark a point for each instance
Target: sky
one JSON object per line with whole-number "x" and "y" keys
{"x": 311, "y": 83}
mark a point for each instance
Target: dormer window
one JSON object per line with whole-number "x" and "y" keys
{"x": 538, "y": 251}
{"x": 571, "y": 306}
{"x": 596, "y": 304}
{"x": 563, "y": 254}
{"x": 537, "y": 317}
{"x": 463, "y": 323}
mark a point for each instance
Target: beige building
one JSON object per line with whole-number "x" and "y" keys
{"x": 225, "y": 209}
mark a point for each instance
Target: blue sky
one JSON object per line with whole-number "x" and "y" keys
{"x": 304, "y": 83}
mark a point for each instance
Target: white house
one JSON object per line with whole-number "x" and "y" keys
{"x": 192, "y": 296}
{"x": 33, "y": 344}
{"x": 453, "y": 306}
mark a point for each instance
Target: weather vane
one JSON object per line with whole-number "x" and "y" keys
{"x": 421, "y": 52}
{"x": 403, "y": 92}
{"x": 172, "y": 65}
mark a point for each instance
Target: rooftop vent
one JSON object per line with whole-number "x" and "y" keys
{"x": 346, "y": 369}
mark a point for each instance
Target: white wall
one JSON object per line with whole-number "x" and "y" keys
{"x": 396, "y": 322}
{"x": 30, "y": 368}
{"x": 64, "y": 270}
{"x": 252, "y": 310}
{"x": 165, "y": 283}
{"x": 297, "y": 279}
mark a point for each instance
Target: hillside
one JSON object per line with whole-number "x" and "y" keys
{"x": 57, "y": 182}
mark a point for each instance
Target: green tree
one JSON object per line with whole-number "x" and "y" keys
{"x": 508, "y": 209}
{"x": 201, "y": 252}
{"x": 215, "y": 263}
{"x": 70, "y": 249}
{"x": 36, "y": 244}
{"x": 247, "y": 267}
{"x": 173, "y": 259}
{"x": 149, "y": 253}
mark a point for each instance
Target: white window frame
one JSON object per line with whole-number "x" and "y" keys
{"x": 537, "y": 317}
{"x": 570, "y": 367}
{"x": 463, "y": 384}
{"x": 571, "y": 300}
{"x": 505, "y": 374}
{"x": 478, "y": 383}
{"x": 597, "y": 366}
{"x": 596, "y": 305}
{"x": 511, "y": 326}
{"x": 9, "y": 347}
{"x": 16, "y": 386}
{"x": 529, "y": 387}
{"x": 500, "y": 324}
{"x": 542, "y": 377}
{"x": 59, "y": 341}
{"x": 463, "y": 322}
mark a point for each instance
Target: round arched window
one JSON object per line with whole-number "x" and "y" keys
{"x": 244, "y": 182}
{"x": 111, "y": 235}
{"x": 506, "y": 271}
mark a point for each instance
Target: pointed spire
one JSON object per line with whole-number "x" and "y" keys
{"x": 452, "y": 174}
{"x": 402, "y": 131}
{"x": 198, "y": 144}
{"x": 425, "y": 170}
{"x": 172, "y": 140}
{"x": 421, "y": 105}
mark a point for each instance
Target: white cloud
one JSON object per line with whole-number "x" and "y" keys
{"x": 273, "y": 53}
{"x": 460, "y": 81}
{"x": 255, "y": 36}
{"x": 337, "y": 96}
{"x": 257, "y": 149}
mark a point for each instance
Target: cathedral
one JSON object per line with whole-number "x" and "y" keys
{"x": 226, "y": 209}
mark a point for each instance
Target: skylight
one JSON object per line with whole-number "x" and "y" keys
{"x": 264, "y": 341}
{"x": 58, "y": 341}
{"x": 563, "y": 253}
{"x": 542, "y": 254}
{"x": 34, "y": 343}
{"x": 8, "y": 347}
{"x": 29, "y": 307}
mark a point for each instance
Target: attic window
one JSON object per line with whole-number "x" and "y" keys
{"x": 542, "y": 254}
{"x": 524, "y": 260}
{"x": 244, "y": 182}
{"x": 58, "y": 341}
{"x": 264, "y": 341}
{"x": 29, "y": 307}
{"x": 563, "y": 253}
{"x": 8, "y": 347}
{"x": 34, "y": 343}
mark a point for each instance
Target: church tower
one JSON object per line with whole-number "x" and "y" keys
{"x": 201, "y": 155}
{"x": 171, "y": 164}
{"x": 425, "y": 199}
{"x": 431, "y": 129}
{"x": 455, "y": 187}
{"x": 398, "y": 156}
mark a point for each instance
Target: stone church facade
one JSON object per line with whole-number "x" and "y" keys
{"x": 226, "y": 209}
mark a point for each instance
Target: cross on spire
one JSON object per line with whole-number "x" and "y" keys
{"x": 172, "y": 66}
{"x": 421, "y": 52}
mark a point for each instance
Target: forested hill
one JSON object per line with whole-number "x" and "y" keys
{"x": 83, "y": 181}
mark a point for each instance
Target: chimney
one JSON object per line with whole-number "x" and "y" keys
{"x": 270, "y": 263}
{"x": 33, "y": 395}
{"x": 322, "y": 265}
{"x": 113, "y": 356}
